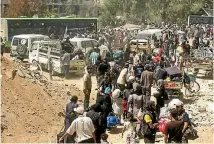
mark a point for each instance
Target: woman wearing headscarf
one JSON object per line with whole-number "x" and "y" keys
{"x": 106, "y": 106}
{"x": 160, "y": 96}
{"x": 96, "y": 117}
{"x": 135, "y": 101}
{"x": 117, "y": 103}
{"x": 100, "y": 97}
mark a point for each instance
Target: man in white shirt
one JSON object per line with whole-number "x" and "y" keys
{"x": 83, "y": 126}
{"x": 121, "y": 81}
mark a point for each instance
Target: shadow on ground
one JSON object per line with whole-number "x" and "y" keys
{"x": 117, "y": 130}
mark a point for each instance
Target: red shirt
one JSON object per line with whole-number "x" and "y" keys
{"x": 158, "y": 58}
{"x": 125, "y": 104}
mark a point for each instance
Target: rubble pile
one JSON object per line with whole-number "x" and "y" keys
{"x": 34, "y": 73}
{"x": 201, "y": 112}
{"x": 60, "y": 90}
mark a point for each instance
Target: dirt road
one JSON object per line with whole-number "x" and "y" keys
{"x": 31, "y": 115}
{"x": 115, "y": 134}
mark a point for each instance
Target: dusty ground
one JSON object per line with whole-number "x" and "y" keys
{"x": 31, "y": 115}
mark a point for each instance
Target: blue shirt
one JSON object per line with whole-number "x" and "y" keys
{"x": 117, "y": 54}
{"x": 93, "y": 57}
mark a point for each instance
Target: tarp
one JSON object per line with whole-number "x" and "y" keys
{"x": 173, "y": 71}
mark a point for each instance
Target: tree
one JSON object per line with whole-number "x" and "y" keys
{"x": 28, "y": 8}
{"x": 71, "y": 9}
{"x": 110, "y": 10}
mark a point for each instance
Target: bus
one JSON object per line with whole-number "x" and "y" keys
{"x": 195, "y": 19}
{"x": 47, "y": 26}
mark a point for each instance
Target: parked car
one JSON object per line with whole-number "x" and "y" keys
{"x": 142, "y": 39}
{"x": 21, "y": 44}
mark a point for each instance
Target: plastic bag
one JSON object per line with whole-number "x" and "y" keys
{"x": 116, "y": 108}
{"x": 164, "y": 112}
{"x": 162, "y": 125}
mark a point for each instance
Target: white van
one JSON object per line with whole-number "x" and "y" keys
{"x": 21, "y": 44}
{"x": 143, "y": 37}
{"x": 85, "y": 44}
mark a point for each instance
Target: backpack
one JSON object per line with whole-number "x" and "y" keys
{"x": 144, "y": 128}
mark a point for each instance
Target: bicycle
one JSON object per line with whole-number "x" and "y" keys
{"x": 190, "y": 83}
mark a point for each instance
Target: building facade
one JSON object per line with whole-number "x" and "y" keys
{"x": 4, "y": 4}
{"x": 83, "y": 8}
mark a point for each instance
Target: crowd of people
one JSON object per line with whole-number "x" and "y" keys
{"x": 124, "y": 90}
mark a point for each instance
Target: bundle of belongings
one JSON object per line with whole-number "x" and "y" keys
{"x": 174, "y": 73}
{"x": 112, "y": 120}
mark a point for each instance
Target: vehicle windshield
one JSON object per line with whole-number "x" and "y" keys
{"x": 143, "y": 36}
{"x": 18, "y": 41}
{"x": 39, "y": 39}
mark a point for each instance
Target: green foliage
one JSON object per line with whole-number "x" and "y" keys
{"x": 110, "y": 10}
{"x": 137, "y": 11}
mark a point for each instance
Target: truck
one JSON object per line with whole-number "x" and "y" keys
{"x": 43, "y": 50}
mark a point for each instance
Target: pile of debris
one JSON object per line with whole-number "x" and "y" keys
{"x": 201, "y": 112}
{"x": 60, "y": 90}
{"x": 31, "y": 72}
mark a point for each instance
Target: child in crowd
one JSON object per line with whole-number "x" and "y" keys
{"x": 130, "y": 126}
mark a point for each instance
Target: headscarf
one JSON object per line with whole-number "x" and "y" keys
{"x": 149, "y": 105}
{"x": 116, "y": 94}
{"x": 96, "y": 107}
{"x": 147, "y": 67}
{"x": 131, "y": 79}
{"x": 107, "y": 90}
{"x": 137, "y": 89}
